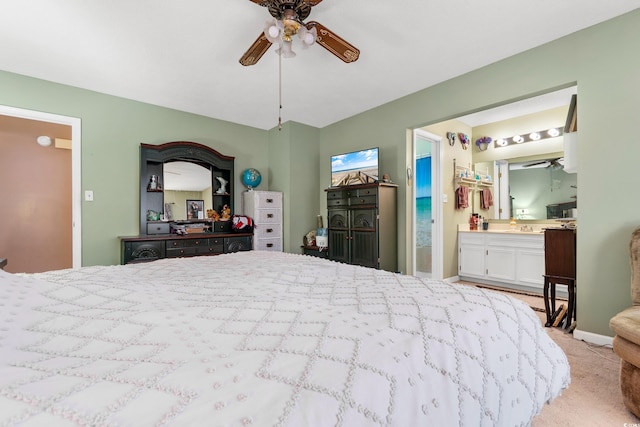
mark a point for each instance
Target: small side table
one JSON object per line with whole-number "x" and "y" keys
{"x": 3, "y": 263}
{"x": 315, "y": 251}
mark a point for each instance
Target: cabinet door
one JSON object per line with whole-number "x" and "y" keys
{"x": 471, "y": 260}
{"x": 530, "y": 267}
{"x": 364, "y": 219}
{"x": 238, "y": 243}
{"x": 364, "y": 248}
{"x": 142, "y": 251}
{"x": 339, "y": 245}
{"x": 338, "y": 218}
{"x": 501, "y": 263}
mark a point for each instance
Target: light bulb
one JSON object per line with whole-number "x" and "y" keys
{"x": 518, "y": 139}
{"x": 273, "y": 31}
{"x": 553, "y": 132}
{"x": 534, "y": 136}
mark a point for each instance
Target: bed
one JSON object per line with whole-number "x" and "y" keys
{"x": 267, "y": 339}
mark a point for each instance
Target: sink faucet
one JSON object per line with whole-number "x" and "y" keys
{"x": 526, "y": 228}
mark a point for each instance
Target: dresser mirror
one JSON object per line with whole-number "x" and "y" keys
{"x": 186, "y": 181}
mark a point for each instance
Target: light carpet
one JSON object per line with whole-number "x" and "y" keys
{"x": 593, "y": 398}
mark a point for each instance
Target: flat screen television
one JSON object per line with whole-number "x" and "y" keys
{"x": 357, "y": 167}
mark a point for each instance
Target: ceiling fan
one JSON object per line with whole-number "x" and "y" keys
{"x": 289, "y": 16}
{"x": 554, "y": 164}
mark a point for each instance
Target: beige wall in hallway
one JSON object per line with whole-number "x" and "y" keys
{"x": 35, "y": 197}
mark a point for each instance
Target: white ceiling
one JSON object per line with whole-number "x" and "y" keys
{"x": 184, "y": 55}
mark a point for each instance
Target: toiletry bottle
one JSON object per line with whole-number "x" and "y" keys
{"x": 512, "y": 223}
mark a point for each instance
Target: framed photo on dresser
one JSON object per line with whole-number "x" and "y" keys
{"x": 195, "y": 209}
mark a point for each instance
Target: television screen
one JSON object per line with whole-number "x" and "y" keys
{"x": 358, "y": 167}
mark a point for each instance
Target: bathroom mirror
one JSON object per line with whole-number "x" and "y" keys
{"x": 541, "y": 189}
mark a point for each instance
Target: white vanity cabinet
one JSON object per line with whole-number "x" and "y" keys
{"x": 507, "y": 259}
{"x": 471, "y": 255}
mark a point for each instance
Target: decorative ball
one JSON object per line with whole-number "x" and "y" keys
{"x": 251, "y": 178}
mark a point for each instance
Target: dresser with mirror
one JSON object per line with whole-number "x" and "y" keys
{"x": 186, "y": 203}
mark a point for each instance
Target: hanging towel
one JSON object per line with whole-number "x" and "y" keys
{"x": 462, "y": 197}
{"x": 486, "y": 199}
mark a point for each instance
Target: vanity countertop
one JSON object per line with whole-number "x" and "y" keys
{"x": 504, "y": 228}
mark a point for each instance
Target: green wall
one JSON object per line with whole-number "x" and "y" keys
{"x": 112, "y": 130}
{"x": 603, "y": 60}
{"x": 293, "y": 164}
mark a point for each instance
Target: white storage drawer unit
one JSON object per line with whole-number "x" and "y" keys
{"x": 265, "y": 208}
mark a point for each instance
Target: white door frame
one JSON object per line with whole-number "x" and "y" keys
{"x": 76, "y": 160}
{"x": 436, "y": 203}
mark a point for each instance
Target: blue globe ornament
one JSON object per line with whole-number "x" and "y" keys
{"x": 251, "y": 178}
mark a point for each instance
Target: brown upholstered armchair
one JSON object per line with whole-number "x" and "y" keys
{"x": 626, "y": 325}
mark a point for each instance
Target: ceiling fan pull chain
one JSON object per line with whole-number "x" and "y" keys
{"x": 280, "y": 90}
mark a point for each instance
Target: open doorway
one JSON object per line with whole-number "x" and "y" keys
{"x": 41, "y": 219}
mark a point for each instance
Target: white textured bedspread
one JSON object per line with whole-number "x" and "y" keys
{"x": 267, "y": 339}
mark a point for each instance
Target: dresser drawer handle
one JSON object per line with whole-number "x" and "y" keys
{"x": 269, "y": 230}
{"x": 269, "y": 200}
{"x": 269, "y": 215}
{"x": 197, "y": 242}
{"x": 269, "y": 245}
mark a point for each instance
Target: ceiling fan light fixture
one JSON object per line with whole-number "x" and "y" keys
{"x": 308, "y": 37}
{"x": 285, "y": 50}
{"x": 273, "y": 31}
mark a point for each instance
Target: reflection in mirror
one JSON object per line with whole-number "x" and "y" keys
{"x": 542, "y": 190}
{"x": 186, "y": 181}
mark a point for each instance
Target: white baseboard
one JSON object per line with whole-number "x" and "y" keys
{"x": 592, "y": 338}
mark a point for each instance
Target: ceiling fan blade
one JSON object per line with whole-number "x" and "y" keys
{"x": 255, "y": 52}
{"x": 334, "y": 43}
{"x": 535, "y": 164}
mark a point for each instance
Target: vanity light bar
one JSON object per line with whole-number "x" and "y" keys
{"x": 533, "y": 136}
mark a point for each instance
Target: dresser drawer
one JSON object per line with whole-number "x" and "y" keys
{"x": 266, "y": 199}
{"x": 363, "y": 192}
{"x": 363, "y": 200}
{"x": 180, "y": 252}
{"x": 158, "y": 228}
{"x": 267, "y": 216}
{"x": 337, "y": 202}
{"x": 268, "y": 231}
{"x": 186, "y": 243}
{"x": 222, "y": 226}
{"x": 268, "y": 245}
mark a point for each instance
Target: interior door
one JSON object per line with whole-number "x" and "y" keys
{"x": 427, "y": 207}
